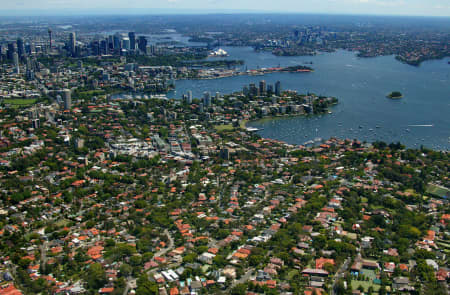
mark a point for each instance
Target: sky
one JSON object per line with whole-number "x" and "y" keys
{"x": 379, "y": 7}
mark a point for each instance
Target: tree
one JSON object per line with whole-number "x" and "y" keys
{"x": 125, "y": 269}
{"x": 339, "y": 288}
{"x": 319, "y": 242}
{"x": 146, "y": 287}
{"x": 219, "y": 261}
{"x": 96, "y": 276}
{"x": 239, "y": 289}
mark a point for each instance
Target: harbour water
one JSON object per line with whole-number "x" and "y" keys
{"x": 422, "y": 117}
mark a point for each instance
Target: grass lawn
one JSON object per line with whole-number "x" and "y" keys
{"x": 19, "y": 102}
{"x": 375, "y": 207}
{"x": 291, "y": 274}
{"x": 366, "y": 285}
{"x": 224, "y": 127}
{"x": 62, "y": 222}
{"x": 243, "y": 123}
{"x": 437, "y": 190}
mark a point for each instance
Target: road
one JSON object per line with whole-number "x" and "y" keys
{"x": 340, "y": 274}
{"x": 44, "y": 254}
{"x": 131, "y": 284}
{"x": 247, "y": 275}
{"x": 169, "y": 247}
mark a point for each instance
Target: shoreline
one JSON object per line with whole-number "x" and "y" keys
{"x": 243, "y": 123}
{"x": 254, "y": 72}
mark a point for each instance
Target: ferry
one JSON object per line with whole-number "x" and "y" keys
{"x": 253, "y": 129}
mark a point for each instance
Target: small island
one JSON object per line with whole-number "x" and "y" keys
{"x": 395, "y": 95}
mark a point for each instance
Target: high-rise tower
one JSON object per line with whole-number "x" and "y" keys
{"x": 278, "y": 88}
{"x": 132, "y": 37}
{"x": 67, "y": 99}
{"x": 20, "y": 48}
{"x": 50, "y": 37}
{"x": 72, "y": 43}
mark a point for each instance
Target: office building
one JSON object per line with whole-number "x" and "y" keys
{"x": 28, "y": 49}
{"x": 16, "y": 62}
{"x": 30, "y": 75}
{"x": 72, "y": 43}
{"x": 142, "y": 44}
{"x": 104, "y": 49}
{"x": 126, "y": 44}
{"x": 110, "y": 43}
{"x": 116, "y": 42}
{"x": 10, "y": 51}
{"x": 95, "y": 47}
{"x": 132, "y": 37}
{"x": 20, "y": 48}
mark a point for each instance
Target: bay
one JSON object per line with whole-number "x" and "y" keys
{"x": 422, "y": 117}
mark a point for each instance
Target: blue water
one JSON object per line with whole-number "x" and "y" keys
{"x": 361, "y": 85}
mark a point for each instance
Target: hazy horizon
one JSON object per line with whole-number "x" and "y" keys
{"x": 430, "y": 8}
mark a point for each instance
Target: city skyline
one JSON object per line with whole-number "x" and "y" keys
{"x": 370, "y": 7}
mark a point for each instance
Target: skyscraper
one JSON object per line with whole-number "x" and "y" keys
{"x": 253, "y": 90}
{"x": 103, "y": 47}
{"x": 278, "y": 88}
{"x": 16, "y": 62}
{"x": 262, "y": 87}
{"x": 67, "y": 99}
{"x": 11, "y": 50}
{"x": 189, "y": 97}
{"x": 50, "y": 37}
{"x": 116, "y": 42}
{"x": 142, "y": 44}
{"x": 110, "y": 43}
{"x": 132, "y": 37}
{"x": 20, "y": 47}
{"x": 207, "y": 99}
{"x": 126, "y": 43}
{"x": 72, "y": 43}
{"x": 95, "y": 47}
{"x": 245, "y": 90}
